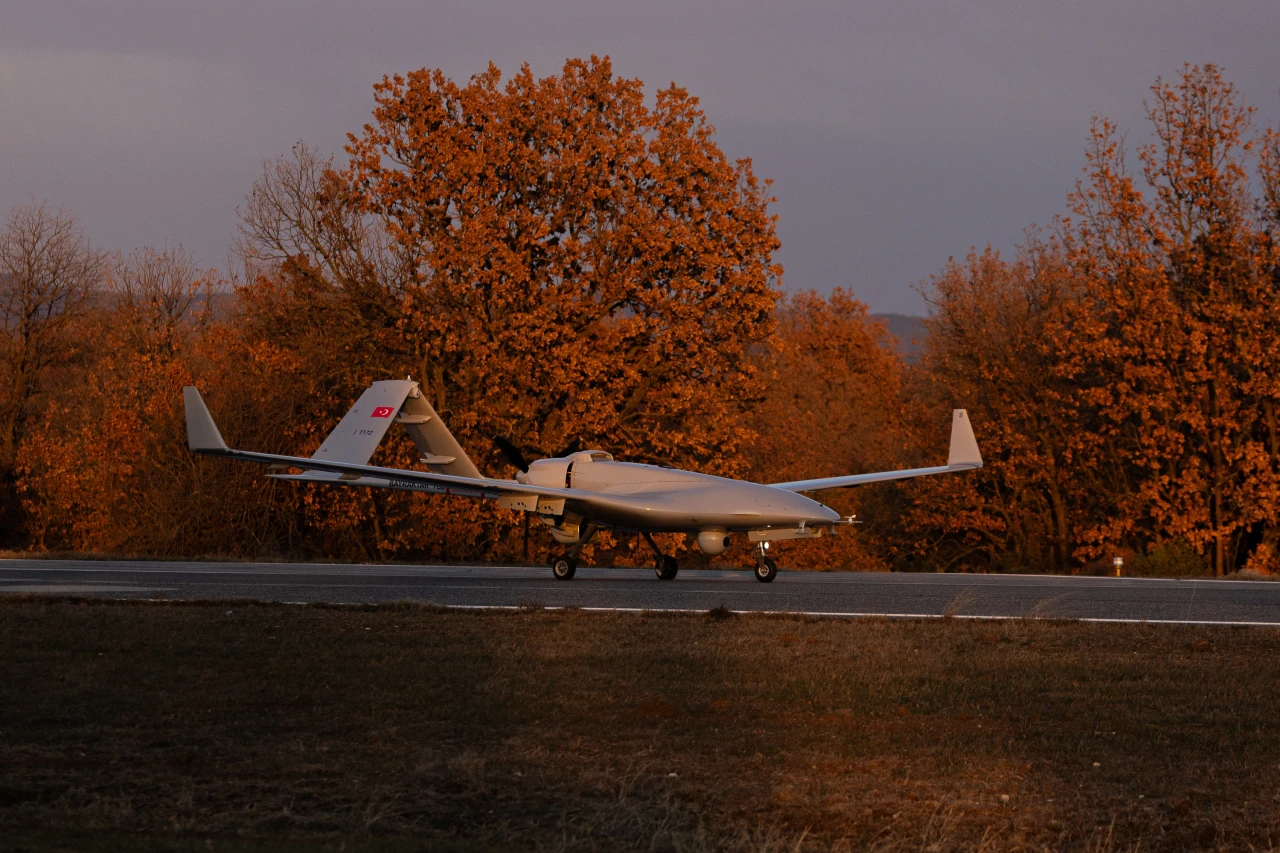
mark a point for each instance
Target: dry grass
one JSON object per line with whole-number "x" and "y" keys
{"x": 248, "y": 727}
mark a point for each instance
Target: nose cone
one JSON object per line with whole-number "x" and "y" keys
{"x": 802, "y": 509}
{"x": 825, "y": 514}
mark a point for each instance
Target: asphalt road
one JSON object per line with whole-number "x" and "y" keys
{"x": 835, "y": 594}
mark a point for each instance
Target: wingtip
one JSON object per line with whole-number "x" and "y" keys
{"x": 964, "y": 451}
{"x": 202, "y": 433}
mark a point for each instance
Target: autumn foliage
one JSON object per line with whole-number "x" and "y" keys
{"x": 561, "y": 263}
{"x": 1127, "y": 363}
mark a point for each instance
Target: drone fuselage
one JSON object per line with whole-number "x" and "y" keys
{"x": 637, "y": 497}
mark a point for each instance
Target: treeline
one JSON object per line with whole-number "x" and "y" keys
{"x": 561, "y": 265}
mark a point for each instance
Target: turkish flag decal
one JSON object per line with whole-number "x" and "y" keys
{"x": 383, "y": 412}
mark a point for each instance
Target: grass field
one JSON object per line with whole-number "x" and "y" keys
{"x": 249, "y": 727}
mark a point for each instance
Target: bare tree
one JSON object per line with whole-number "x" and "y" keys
{"x": 161, "y": 294}
{"x": 302, "y": 208}
{"x": 48, "y": 272}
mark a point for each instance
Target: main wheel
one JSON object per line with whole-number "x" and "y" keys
{"x": 667, "y": 568}
{"x": 766, "y": 570}
{"x": 564, "y": 568}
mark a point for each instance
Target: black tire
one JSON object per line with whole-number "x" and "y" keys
{"x": 564, "y": 568}
{"x": 766, "y": 570}
{"x": 667, "y": 568}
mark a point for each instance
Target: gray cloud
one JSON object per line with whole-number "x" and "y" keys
{"x": 897, "y": 133}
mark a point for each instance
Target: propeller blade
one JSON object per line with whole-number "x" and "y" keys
{"x": 511, "y": 452}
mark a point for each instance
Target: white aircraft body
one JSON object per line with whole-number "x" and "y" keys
{"x": 575, "y": 495}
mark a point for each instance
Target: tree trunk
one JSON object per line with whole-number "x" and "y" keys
{"x": 526, "y": 538}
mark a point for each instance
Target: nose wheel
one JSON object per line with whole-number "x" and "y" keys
{"x": 564, "y": 567}
{"x": 667, "y": 566}
{"x": 766, "y": 568}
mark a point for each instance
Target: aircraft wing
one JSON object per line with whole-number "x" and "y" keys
{"x": 203, "y": 437}
{"x": 964, "y": 456}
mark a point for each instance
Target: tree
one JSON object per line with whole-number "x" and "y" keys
{"x": 106, "y": 467}
{"x": 164, "y": 300}
{"x": 555, "y": 262}
{"x": 580, "y": 263}
{"x": 994, "y": 347}
{"x": 1177, "y": 346}
{"x": 1126, "y": 370}
{"x": 48, "y": 273}
{"x": 832, "y": 405}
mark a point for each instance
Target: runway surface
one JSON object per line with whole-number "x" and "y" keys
{"x": 832, "y": 594}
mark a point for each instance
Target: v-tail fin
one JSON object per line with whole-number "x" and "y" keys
{"x": 437, "y": 447}
{"x": 362, "y": 429}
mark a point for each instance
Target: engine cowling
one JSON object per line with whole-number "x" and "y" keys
{"x": 547, "y": 472}
{"x": 713, "y": 542}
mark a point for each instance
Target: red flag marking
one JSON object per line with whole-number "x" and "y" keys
{"x": 383, "y": 412}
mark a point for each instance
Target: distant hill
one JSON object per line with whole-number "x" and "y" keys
{"x": 909, "y": 330}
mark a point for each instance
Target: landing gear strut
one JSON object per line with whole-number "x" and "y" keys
{"x": 564, "y": 567}
{"x": 667, "y": 566}
{"x": 766, "y": 568}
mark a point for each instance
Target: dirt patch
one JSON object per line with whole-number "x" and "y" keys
{"x": 257, "y": 727}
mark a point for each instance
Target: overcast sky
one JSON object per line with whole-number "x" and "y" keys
{"x": 897, "y": 133}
